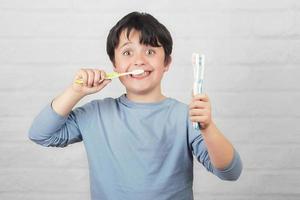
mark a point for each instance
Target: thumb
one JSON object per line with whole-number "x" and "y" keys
{"x": 192, "y": 93}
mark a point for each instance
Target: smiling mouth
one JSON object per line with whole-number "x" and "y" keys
{"x": 141, "y": 76}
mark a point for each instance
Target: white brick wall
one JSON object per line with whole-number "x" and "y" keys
{"x": 252, "y": 50}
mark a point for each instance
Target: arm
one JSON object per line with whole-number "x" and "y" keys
{"x": 57, "y": 124}
{"x": 221, "y": 153}
{"x": 93, "y": 81}
{"x": 64, "y": 103}
{"x": 219, "y": 148}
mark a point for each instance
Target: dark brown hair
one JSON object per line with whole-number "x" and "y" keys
{"x": 153, "y": 33}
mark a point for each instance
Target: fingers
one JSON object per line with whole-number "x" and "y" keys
{"x": 103, "y": 75}
{"x": 81, "y": 74}
{"x": 90, "y": 80}
{"x": 103, "y": 84}
{"x": 199, "y": 112}
{"x": 203, "y": 120}
{"x": 91, "y": 77}
{"x": 97, "y": 77}
{"x": 199, "y": 104}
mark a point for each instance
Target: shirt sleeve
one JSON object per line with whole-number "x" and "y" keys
{"x": 199, "y": 150}
{"x": 51, "y": 129}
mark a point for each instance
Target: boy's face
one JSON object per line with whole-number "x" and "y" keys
{"x": 131, "y": 55}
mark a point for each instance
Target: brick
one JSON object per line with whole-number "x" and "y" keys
{"x": 36, "y": 5}
{"x": 296, "y": 23}
{"x": 42, "y": 157}
{"x": 209, "y": 25}
{"x": 10, "y": 132}
{"x": 44, "y": 180}
{"x": 13, "y": 108}
{"x": 120, "y": 7}
{"x": 200, "y": 196}
{"x": 251, "y": 182}
{"x": 256, "y": 5}
{"x": 236, "y": 51}
{"x": 52, "y": 51}
{"x": 269, "y": 156}
{"x": 178, "y": 6}
{"x": 256, "y": 104}
{"x": 45, "y": 195}
{"x": 293, "y": 56}
{"x": 234, "y": 78}
{"x": 278, "y": 24}
{"x": 55, "y": 25}
{"x": 253, "y": 131}
{"x": 37, "y": 77}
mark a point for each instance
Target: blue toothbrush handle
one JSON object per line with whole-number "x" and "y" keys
{"x": 198, "y": 90}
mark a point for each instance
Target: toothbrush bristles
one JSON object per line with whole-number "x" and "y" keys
{"x": 195, "y": 59}
{"x": 137, "y": 71}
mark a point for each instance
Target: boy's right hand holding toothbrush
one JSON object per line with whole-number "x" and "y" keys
{"x": 93, "y": 81}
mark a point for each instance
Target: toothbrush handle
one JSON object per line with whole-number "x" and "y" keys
{"x": 197, "y": 90}
{"x": 80, "y": 81}
{"x": 198, "y": 80}
{"x": 125, "y": 73}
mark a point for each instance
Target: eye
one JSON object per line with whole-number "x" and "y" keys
{"x": 126, "y": 53}
{"x": 150, "y": 52}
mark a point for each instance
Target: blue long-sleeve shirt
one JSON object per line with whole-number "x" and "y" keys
{"x": 135, "y": 150}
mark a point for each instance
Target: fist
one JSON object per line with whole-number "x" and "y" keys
{"x": 200, "y": 110}
{"x": 93, "y": 80}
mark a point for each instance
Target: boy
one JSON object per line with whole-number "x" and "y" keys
{"x": 140, "y": 146}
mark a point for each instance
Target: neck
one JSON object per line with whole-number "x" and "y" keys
{"x": 148, "y": 97}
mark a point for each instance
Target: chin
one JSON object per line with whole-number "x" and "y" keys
{"x": 140, "y": 90}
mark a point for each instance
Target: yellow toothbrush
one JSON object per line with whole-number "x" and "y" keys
{"x": 116, "y": 75}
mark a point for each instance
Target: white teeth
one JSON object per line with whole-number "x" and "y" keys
{"x": 141, "y": 75}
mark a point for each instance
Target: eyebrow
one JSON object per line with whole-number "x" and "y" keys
{"x": 126, "y": 43}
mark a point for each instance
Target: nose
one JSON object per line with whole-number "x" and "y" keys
{"x": 139, "y": 60}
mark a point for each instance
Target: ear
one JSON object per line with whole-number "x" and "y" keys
{"x": 167, "y": 64}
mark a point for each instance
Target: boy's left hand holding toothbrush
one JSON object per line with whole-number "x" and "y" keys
{"x": 219, "y": 148}
{"x": 200, "y": 110}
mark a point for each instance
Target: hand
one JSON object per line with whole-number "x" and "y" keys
{"x": 93, "y": 81}
{"x": 200, "y": 110}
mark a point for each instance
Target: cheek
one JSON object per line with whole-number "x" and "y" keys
{"x": 122, "y": 66}
{"x": 119, "y": 66}
{"x": 118, "y": 61}
{"x": 158, "y": 73}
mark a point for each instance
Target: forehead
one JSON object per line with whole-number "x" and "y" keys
{"x": 126, "y": 36}
{"x": 137, "y": 37}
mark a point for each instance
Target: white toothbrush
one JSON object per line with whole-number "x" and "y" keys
{"x": 198, "y": 65}
{"x": 116, "y": 74}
